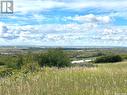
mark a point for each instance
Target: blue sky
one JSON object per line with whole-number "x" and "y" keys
{"x": 65, "y": 23}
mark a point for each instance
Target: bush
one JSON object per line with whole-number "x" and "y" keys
{"x": 54, "y": 58}
{"x": 99, "y": 54}
{"x": 5, "y": 72}
{"x": 2, "y": 63}
{"x": 17, "y": 64}
{"x": 30, "y": 67}
{"x": 109, "y": 58}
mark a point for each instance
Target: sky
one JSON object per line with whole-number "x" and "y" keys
{"x": 65, "y": 23}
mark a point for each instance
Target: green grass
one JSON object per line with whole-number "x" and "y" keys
{"x": 105, "y": 79}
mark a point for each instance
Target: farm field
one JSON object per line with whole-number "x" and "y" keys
{"x": 104, "y": 79}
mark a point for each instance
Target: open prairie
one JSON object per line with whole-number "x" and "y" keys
{"x": 87, "y": 78}
{"x": 104, "y": 79}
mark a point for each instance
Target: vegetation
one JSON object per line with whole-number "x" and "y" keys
{"x": 108, "y": 58}
{"x": 2, "y": 63}
{"x": 42, "y": 73}
{"x": 106, "y": 79}
{"x": 54, "y": 58}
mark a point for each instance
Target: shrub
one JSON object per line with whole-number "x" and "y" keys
{"x": 30, "y": 67}
{"x": 99, "y": 54}
{"x": 54, "y": 58}
{"x": 17, "y": 64}
{"x": 109, "y": 58}
{"x": 5, "y": 72}
{"x": 2, "y": 63}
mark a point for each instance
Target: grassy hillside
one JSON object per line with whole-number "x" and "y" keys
{"x": 104, "y": 79}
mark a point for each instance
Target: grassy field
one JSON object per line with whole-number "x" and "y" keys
{"x": 104, "y": 79}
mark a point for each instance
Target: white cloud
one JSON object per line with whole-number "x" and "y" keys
{"x": 3, "y": 29}
{"x": 45, "y": 32}
{"x": 62, "y": 34}
{"x": 83, "y": 29}
{"x": 113, "y": 34}
{"x": 91, "y": 18}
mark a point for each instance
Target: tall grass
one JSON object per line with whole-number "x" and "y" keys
{"x": 106, "y": 79}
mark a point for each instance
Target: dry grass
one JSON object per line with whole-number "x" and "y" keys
{"x": 107, "y": 79}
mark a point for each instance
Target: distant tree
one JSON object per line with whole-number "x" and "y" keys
{"x": 100, "y": 54}
{"x": 108, "y": 58}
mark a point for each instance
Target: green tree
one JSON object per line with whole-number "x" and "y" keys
{"x": 54, "y": 58}
{"x": 108, "y": 58}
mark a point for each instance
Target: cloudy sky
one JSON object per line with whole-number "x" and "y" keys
{"x": 65, "y": 23}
